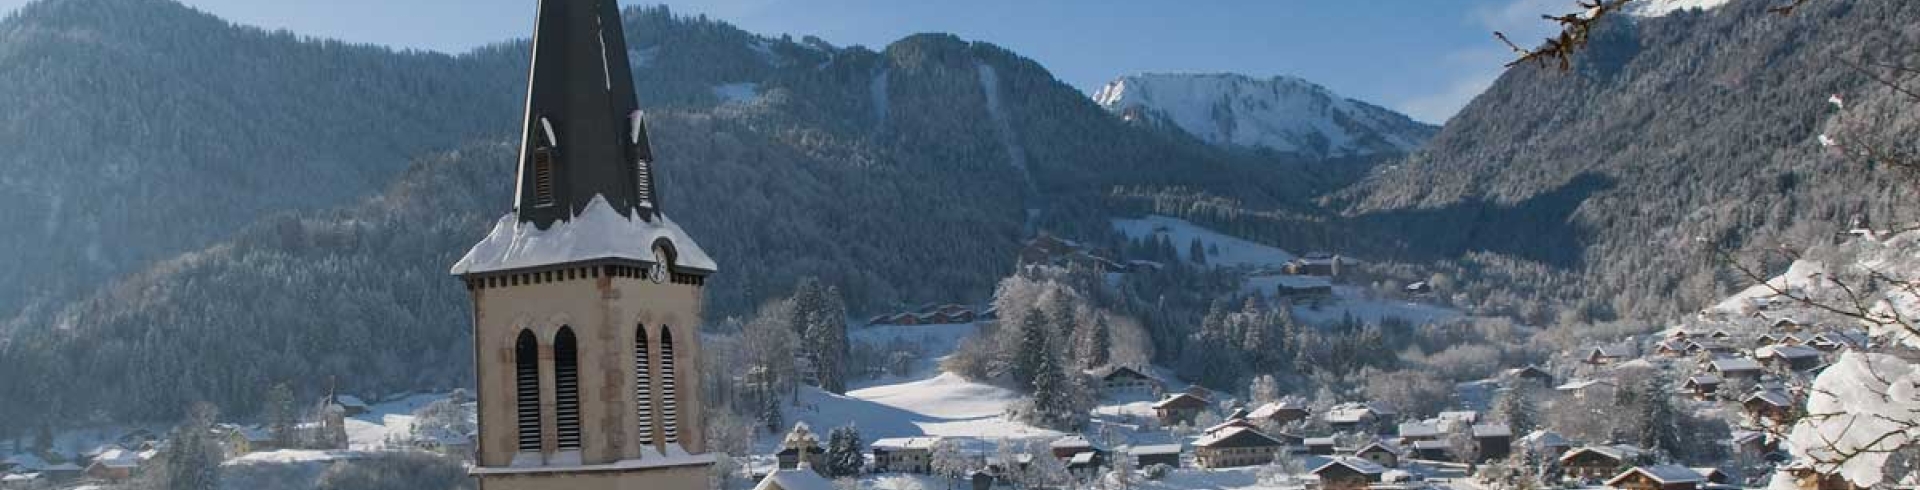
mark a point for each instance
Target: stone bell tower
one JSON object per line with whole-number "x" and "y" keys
{"x": 586, "y": 297}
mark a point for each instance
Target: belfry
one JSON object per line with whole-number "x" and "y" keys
{"x": 586, "y": 297}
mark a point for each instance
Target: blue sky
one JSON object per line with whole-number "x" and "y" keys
{"x": 1423, "y": 57}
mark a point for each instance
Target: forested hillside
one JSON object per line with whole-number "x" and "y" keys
{"x": 901, "y": 176}
{"x": 139, "y": 129}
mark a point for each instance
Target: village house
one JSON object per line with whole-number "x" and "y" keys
{"x": 1164, "y": 454}
{"x": 1713, "y": 476}
{"x": 1421, "y": 288}
{"x": 1280, "y": 413}
{"x": 1546, "y": 442}
{"x": 115, "y": 465}
{"x": 1752, "y": 444}
{"x": 1790, "y": 357}
{"x": 1412, "y": 432}
{"x": 1769, "y": 406}
{"x": 1456, "y": 420}
{"x": 1594, "y": 463}
{"x": 1433, "y": 450}
{"x": 1703, "y": 387}
{"x": 1766, "y": 339}
{"x": 1348, "y": 474}
{"x": 1319, "y": 446}
{"x": 1528, "y": 373}
{"x": 1601, "y": 356}
{"x": 1659, "y": 477}
{"x": 1085, "y": 465}
{"x": 1235, "y": 447}
{"x": 1699, "y": 347}
{"x": 1179, "y": 409}
{"x": 1492, "y": 441}
{"x": 1360, "y": 416}
{"x": 1127, "y": 380}
{"x": 1321, "y": 264}
{"x": 1672, "y": 347}
{"x": 1068, "y": 447}
{"x": 1837, "y": 340}
{"x": 1381, "y": 453}
{"x": 1736, "y": 368}
{"x": 903, "y": 455}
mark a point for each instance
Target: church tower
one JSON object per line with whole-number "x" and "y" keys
{"x": 586, "y": 297}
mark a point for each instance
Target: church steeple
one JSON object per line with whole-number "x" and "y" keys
{"x": 584, "y": 133}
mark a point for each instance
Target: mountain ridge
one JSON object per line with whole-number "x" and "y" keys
{"x": 1281, "y": 114}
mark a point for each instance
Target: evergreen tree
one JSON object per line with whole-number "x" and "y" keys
{"x": 843, "y": 452}
{"x": 192, "y": 458}
{"x": 282, "y": 417}
{"x": 1659, "y": 420}
{"x": 1197, "y": 252}
{"x": 1517, "y": 408}
{"x": 1097, "y": 349}
{"x": 827, "y": 340}
{"x": 771, "y": 417}
{"x": 1032, "y": 350}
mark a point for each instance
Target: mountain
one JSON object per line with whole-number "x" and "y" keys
{"x": 903, "y": 176}
{"x": 139, "y": 129}
{"x": 1656, "y": 8}
{"x": 1607, "y": 182}
{"x": 1282, "y": 114}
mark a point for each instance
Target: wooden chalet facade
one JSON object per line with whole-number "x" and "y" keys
{"x": 1661, "y": 477}
{"x": 1180, "y": 409}
{"x": 1348, "y": 474}
{"x": 1235, "y": 447}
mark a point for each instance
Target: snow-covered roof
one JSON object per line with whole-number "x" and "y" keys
{"x": 1546, "y": 438}
{"x": 598, "y": 233}
{"x": 1608, "y": 351}
{"x": 1318, "y": 441}
{"x": 1774, "y": 398}
{"x": 1233, "y": 432}
{"x": 1070, "y": 442}
{"x": 1665, "y": 474}
{"x": 1419, "y": 429}
{"x": 904, "y": 443}
{"x": 118, "y": 458}
{"x": 1160, "y": 449}
{"x": 1492, "y": 430}
{"x": 1380, "y": 446}
{"x": 1583, "y": 384}
{"x": 1787, "y": 352}
{"x": 20, "y": 477}
{"x": 1361, "y": 465}
{"x": 1736, "y": 364}
{"x": 795, "y": 479}
{"x": 1182, "y": 400}
{"x": 1082, "y": 459}
{"x": 1271, "y": 409}
{"x": 1619, "y": 451}
{"x": 1425, "y": 445}
{"x": 1303, "y": 282}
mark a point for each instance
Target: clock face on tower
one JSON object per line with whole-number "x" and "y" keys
{"x": 659, "y": 271}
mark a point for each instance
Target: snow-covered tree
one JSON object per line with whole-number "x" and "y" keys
{"x": 951, "y": 461}
{"x": 192, "y": 457}
{"x": 844, "y": 449}
{"x": 1516, "y": 406}
{"x": 1121, "y": 474}
{"x": 1263, "y": 390}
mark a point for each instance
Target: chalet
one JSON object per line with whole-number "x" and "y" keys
{"x": 1833, "y": 341}
{"x": 1601, "y": 356}
{"x": 1319, "y": 446}
{"x": 1280, "y": 413}
{"x": 1085, "y": 465}
{"x": 1713, "y": 476}
{"x": 1590, "y": 389}
{"x": 117, "y": 465}
{"x": 1658, "y": 477}
{"x": 1492, "y": 441}
{"x": 1456, "y": 420}
{"x": 1792, "y": 357}
{"x": 1381, "y": 453}
{"x": 1179, "y": 409}
{"x": 1703, "y": 387}
{"x": 1546, "y": 442}
{"x": 1593, "y": 463}
{"x": 1165, "y": 454}
{"x": 1358, "y": 416}
{"x": 794, "y": 479}
{"x": 1229, "y": 424}
{"x": 1412, "y": 432}
{"x": 1788, "y": 325}
{"x": 1235, "y": 447}
{"x": 1752, "y": 444}
{"x": 1672, "y": 347}
{"x": 1793, "y": 339}
{"x": 11, "y": 481}
{"x": 1348, "y": 474}
{"x": 1766, "y": 339}
{"x": 1433, "y": 450}
{"x": 1529, "y": 373}
{"x": 1736, "y": 368}
{"x": 1697, "y": 347}
{"x": 1123, "y": 379}
{"x": 1067, "y": 447}
{"x": 1303, "y": 287}
{"x": 904, "y": 455}
{"x": 1769, "y": 405}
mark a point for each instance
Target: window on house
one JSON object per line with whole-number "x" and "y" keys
{"x": 670, "y": 403}
{"x": 566, "y": 390}
{"x": 643, "y": 386}
{"x": 526, "y": 360}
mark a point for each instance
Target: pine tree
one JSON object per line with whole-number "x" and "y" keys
{"x": 843, "y": 452}
{"x": 1517, "y": 408}
{"x": 282, "y": 417}
{"x": 1659, "y": 420}
{"x": 827, "y": 341}
{"x": 770, "y": 415}
{"x": 1099, "y": 344}
{"x": 1264, "y": 390}
{"x": 1032, "y": 349}
{"x": 1197, "y": 252}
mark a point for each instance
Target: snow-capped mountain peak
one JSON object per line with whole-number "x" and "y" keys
{"x": 1284, "y": 114}
{"x": 1657, "y": 8}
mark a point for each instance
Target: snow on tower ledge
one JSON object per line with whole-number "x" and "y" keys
{"x": 597, "y": 233}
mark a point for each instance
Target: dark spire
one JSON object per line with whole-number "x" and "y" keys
{"x": 583, "y": 134}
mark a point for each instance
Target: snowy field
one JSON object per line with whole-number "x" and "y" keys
{"x": 1234, "y": 251}
{"x": 386, "y": 423}
{"x": 1349, "y": 300}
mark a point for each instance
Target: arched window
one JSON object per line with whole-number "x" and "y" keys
{"x": 526, "y": 395}
{"x": 670, "y": 402}
{"x": 642, "y": 386}
{"x": 566, "y": 390}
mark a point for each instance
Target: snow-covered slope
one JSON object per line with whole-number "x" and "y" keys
{"x": 1656, "y": 8}
{"x": 1234, "y": 251}
{"x": 1287, "y": 115}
